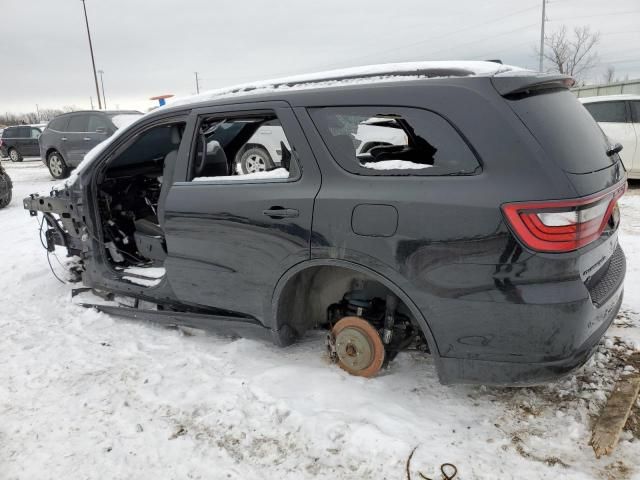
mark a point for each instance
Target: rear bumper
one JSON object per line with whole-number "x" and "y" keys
{"x": 594, "y": 314}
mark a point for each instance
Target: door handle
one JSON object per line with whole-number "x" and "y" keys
{"x": 281, "y": 212}
{"x": 87, "y": 138}
{"x": 64, "y": 139}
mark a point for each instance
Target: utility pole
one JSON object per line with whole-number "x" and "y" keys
{"x": 104, "y": 95}
{"x": 38, "y": 112}
{"x": 544, "y": 4}
{"x": 93, "y": 62}
{"x": 91, "y": 100}
{"x": 197, "y": 83}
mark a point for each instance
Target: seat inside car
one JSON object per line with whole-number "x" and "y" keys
{"x": 149, "y": 234}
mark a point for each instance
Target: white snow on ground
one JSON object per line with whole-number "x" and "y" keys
{"x": 84, "y": 395}
{"x": 270, "y": 174}
{"x": 395, "y": 165}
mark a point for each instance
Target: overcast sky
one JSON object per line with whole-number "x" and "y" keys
{"x": 153, "y": 47}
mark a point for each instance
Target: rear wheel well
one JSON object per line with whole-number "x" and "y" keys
{"x": 303, "y": 300}
{"x": 49, "y": 152}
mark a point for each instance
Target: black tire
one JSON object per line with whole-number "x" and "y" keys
{"x": 14, "y": 155}
{"x": 5, "y": 189}
{"x": 254, "y": 159}
{"x": 57, "y": 166}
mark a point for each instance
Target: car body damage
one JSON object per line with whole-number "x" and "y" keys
{"x": 377, "y": 210}
{"x": 63, "y": 218}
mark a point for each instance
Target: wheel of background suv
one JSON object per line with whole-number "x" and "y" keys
{"x": 57, "y": 166}
{"x": 5, "y": 189}
{"x": 358, "y": 346}
{"x": 14, "y": 155}
{"x": 255, "y": 159}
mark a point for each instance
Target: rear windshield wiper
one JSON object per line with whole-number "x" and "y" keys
{"x": 613, "y": 149}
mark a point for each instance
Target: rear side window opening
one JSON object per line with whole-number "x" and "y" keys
{"x": 242, "y": 149}
{"x": 393, "y": 141}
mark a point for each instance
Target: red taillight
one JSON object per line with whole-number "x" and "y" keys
{"x": 563, "y": 225}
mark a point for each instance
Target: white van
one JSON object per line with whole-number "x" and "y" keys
{"x": 619, "y": 118}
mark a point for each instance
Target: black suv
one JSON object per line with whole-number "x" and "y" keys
{"x": 478, "y": 223}
{"x": 69, "y": 136}
{"x": 19, "y": 142}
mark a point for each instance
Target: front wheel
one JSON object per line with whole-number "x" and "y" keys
{"x": 14, "y": 155}
{"x": 57, "y": 166}
{"x": 5, "y": 188}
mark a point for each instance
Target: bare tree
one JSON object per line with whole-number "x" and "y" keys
{"x": 610, "y": 74}
{"x": 571, "y": 54}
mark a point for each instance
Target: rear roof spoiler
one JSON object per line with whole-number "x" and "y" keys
{"x": 511, "y": 84}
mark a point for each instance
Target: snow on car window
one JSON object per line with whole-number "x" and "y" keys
{"x": 277, "y": 173}
{"x": 125, "y": 119}
{"x": 395, "y": 165}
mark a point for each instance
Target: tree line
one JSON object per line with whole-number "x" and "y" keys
{"x": 41, "y": 116}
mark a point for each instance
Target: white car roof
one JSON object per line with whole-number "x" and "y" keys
{"x": 609, "y": 98}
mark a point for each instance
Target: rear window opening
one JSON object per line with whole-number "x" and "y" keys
{"x": 393, "y": 141}
{"x": 564, "y": 129}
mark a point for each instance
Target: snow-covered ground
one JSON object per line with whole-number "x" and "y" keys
{"x": 84, "y": 395}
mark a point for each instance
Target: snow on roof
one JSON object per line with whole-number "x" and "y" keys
{"x": 347, "y": 76}
{"x": 355, "y": 76}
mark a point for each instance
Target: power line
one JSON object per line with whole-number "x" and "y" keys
{"x": 519, "y": 29}
{"x": 595, "y": 15}
{"x": 439, "y": 37}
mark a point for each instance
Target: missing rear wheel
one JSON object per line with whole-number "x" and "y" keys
{"x": 358, "y": 347}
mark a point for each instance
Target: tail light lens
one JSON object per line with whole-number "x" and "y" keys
{"x": 563, "y": 225}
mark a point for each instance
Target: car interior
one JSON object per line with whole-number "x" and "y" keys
{"x": 132, "y": 187}
{"x": 131, "y": 190}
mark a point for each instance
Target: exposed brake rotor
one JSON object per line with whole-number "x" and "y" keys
{"x": 357, "y": 346}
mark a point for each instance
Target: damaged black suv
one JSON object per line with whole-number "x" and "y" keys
{"x": 467, "y": 210}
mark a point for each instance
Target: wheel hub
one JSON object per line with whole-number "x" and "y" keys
{"x": 14, "y": 156}
{"x": 358, "y": 347}
{"x": 255, "y": 163}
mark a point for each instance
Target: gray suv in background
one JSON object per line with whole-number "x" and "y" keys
{"x": 70, "y": 136}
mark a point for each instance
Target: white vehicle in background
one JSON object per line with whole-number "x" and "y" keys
{"x": 264, "y": 149}
{"x": 619, "y": 118}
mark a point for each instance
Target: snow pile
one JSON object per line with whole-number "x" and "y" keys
{"x": 84, "y": 395}
{"x": 395, "y": 165}
{"x": 276, "y": 173}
